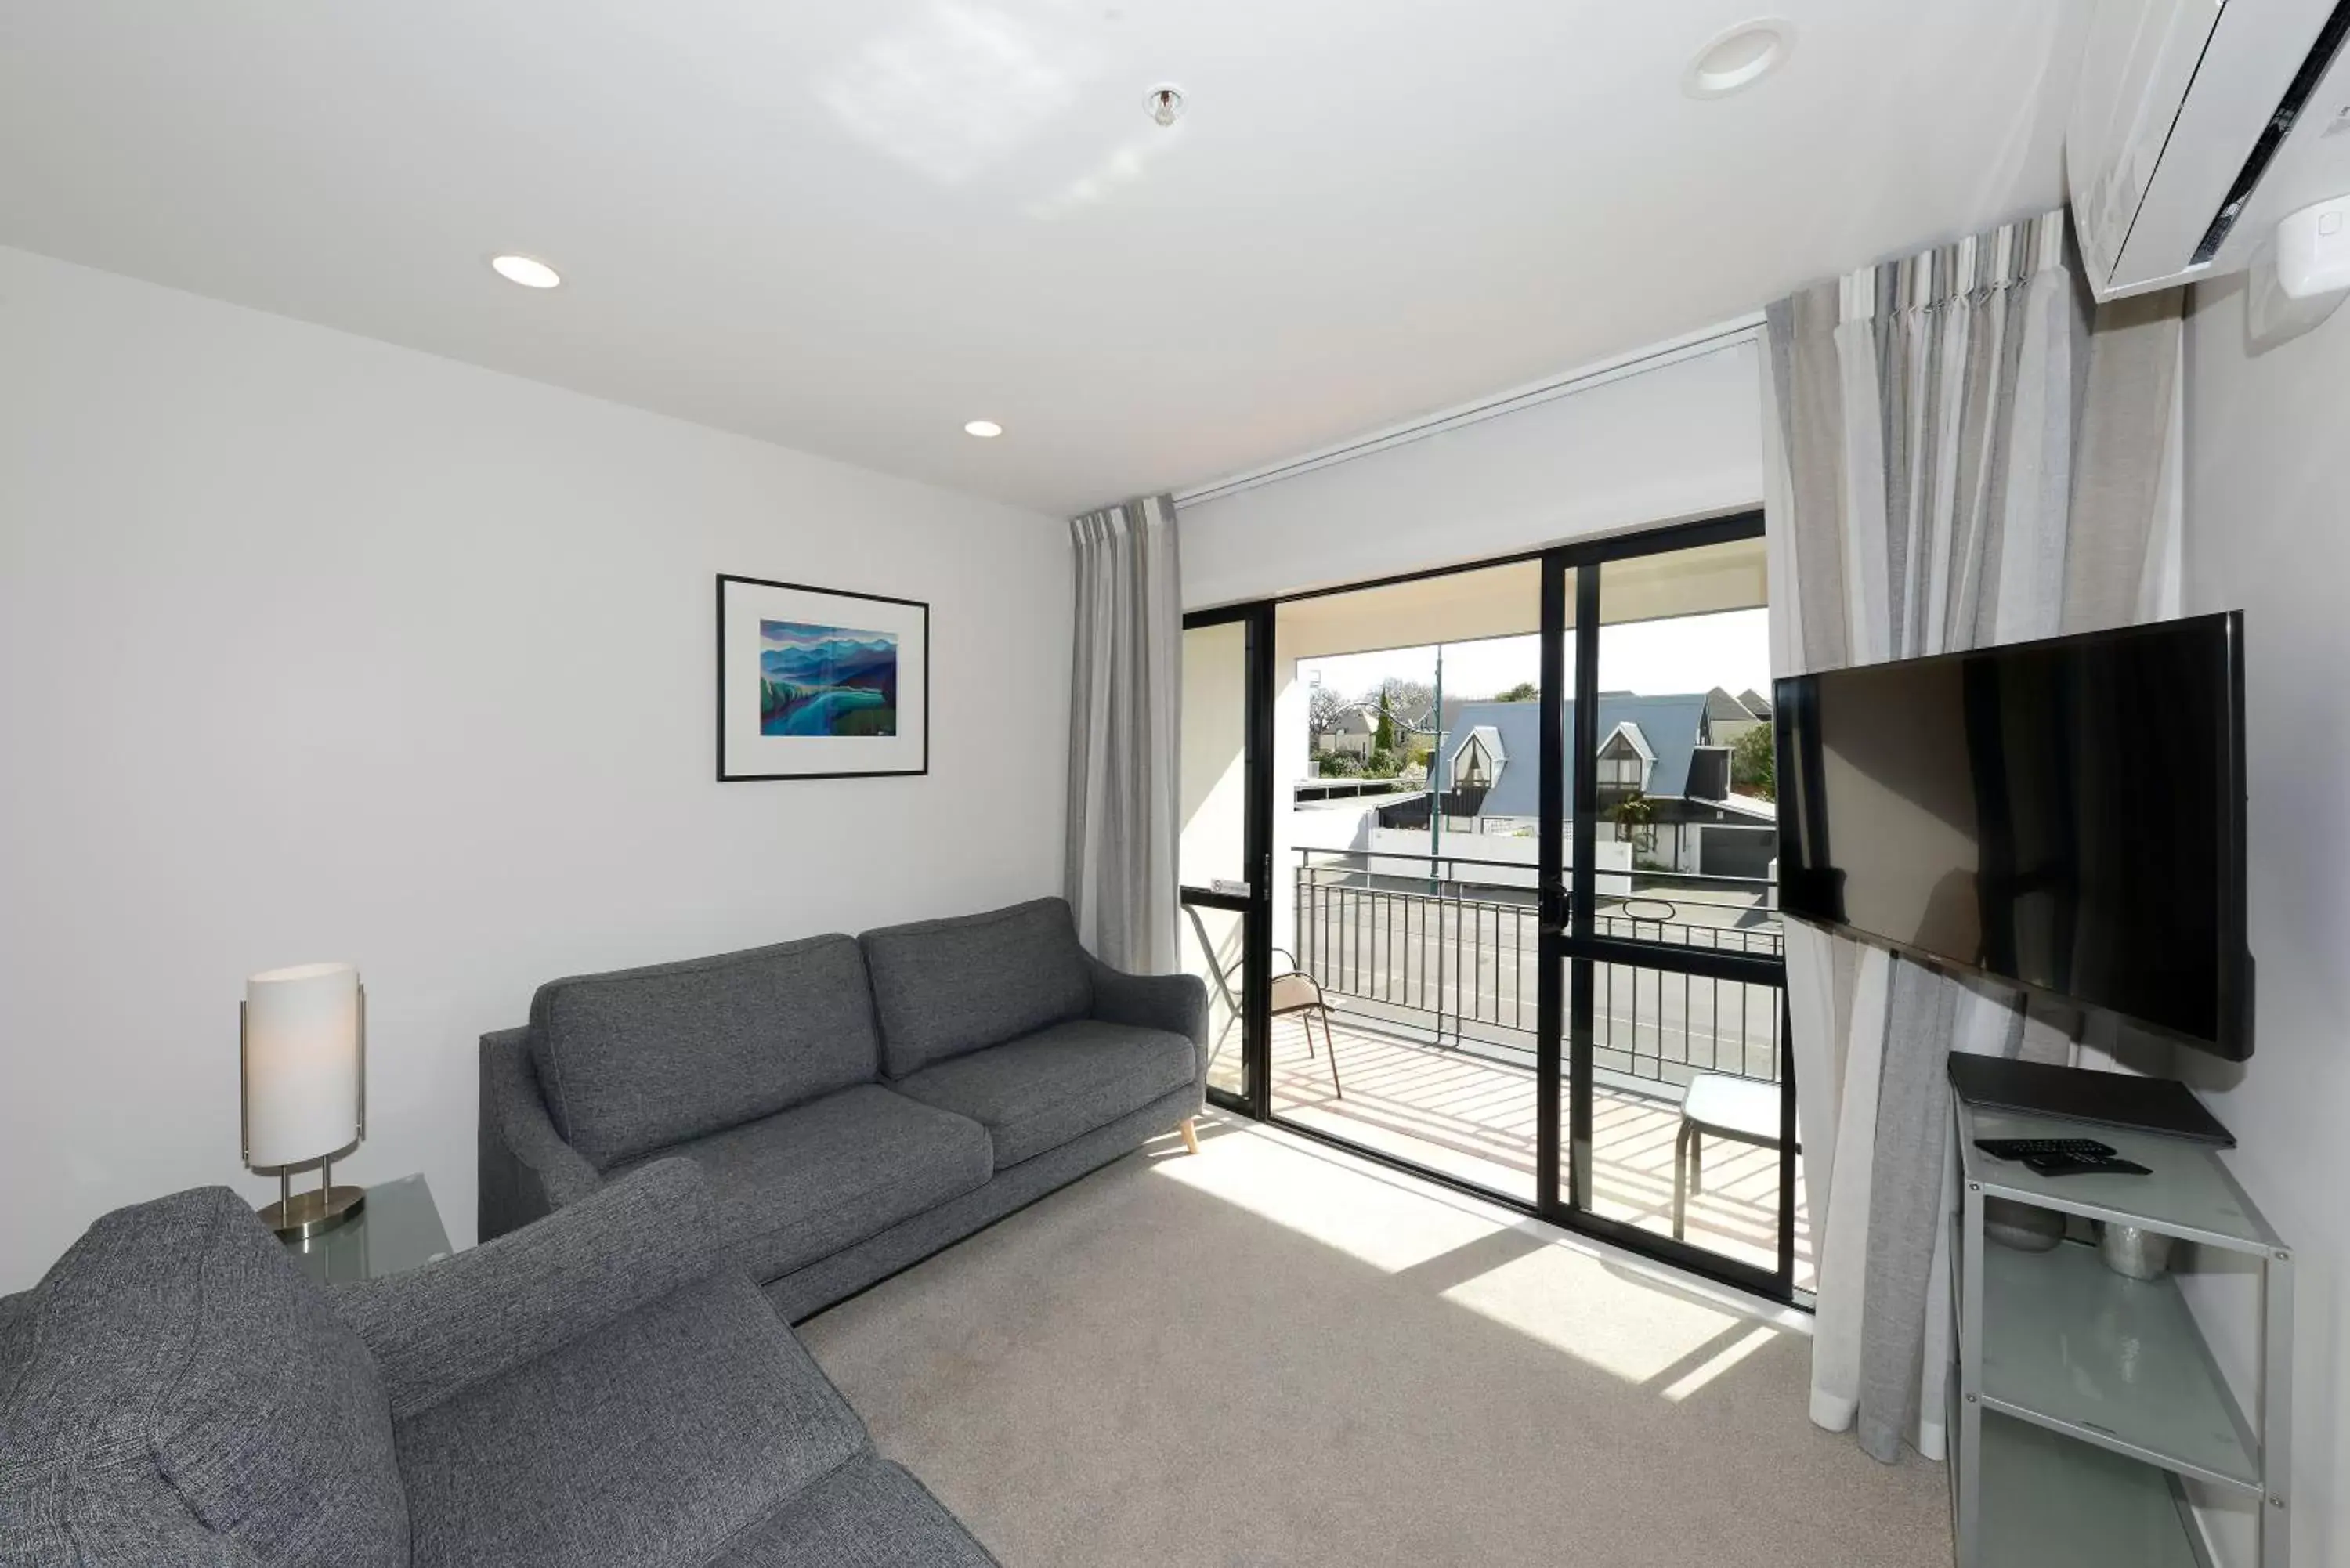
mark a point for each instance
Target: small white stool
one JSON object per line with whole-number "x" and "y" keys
{"x": 1746, "y": 1109}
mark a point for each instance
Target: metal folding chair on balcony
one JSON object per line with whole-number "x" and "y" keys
{"x": 1295, "y": 990}
{"x": 1223, "y": 986}
{"x": 1292, "y": 990}
{"x": 1745, "y": 1110}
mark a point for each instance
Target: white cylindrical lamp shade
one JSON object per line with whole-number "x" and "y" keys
{"x": 302, "y": 1063}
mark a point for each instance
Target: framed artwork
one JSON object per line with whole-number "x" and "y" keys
{"x": 817, "y": 683}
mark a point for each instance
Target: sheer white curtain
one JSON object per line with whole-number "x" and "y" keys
{"x": 1125, "y": 713}
{"x": 1961, "y": 451}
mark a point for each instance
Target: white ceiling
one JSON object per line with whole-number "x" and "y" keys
{"x": 850, "y": 227}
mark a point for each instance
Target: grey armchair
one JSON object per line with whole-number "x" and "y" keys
{"x": 594, "y": 1388}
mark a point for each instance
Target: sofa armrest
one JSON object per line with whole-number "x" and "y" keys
{"x": 443, "y": 1328}
{"x": 1175, "y": 1002}
{"x": 527, "y": 1171}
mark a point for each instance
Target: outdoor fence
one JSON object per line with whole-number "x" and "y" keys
{"x": 1447, "y": 943}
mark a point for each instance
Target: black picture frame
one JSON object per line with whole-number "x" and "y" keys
{"x": 729, "y": 739}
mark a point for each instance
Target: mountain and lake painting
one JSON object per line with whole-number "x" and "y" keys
{"x": 827, "y": 679}
{"x": 820, "y": 683}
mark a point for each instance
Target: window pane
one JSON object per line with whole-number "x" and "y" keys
{"x": 1686, "y": 1070}
{"x": 1685, "y": 1111}
{"x": 1214, "y": 847}
{"x": 1409, "y": 780}
{"x": 1684, "y": 667}
{"x": 1212, "y": 944}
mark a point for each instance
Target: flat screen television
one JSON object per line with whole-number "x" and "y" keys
{"x": 2067, "y": 815}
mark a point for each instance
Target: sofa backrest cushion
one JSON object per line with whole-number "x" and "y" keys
{"x": 641, "y": 1059}
{"x": 946, "y": 987}
{"x": 179, "y": 1393}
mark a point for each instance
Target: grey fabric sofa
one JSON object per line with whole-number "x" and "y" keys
{"x": 596, "y": 1389}
{"x": 856, "y": 1103}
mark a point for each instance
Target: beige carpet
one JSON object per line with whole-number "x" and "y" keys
{"x": 1271, "y": 1354}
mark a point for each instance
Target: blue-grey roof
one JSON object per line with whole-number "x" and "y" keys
{"x": 1671, "y": 725}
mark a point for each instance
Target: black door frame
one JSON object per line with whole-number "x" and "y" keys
{"x": 1569, "y": 945}
{"x": 1255, "y": 906}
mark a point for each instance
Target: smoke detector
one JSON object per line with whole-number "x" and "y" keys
{"x": 1166, "y": 103}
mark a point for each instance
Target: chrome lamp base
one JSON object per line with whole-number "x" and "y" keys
{"x": 299, "y": 1216}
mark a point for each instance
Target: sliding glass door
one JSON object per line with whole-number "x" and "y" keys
{"x": 1405, "y": 992}
{"x": 1477, "y": 867}
{"x": 1676, "y": 1114}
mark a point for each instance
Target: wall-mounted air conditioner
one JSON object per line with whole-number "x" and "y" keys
{"x": 2196, "y": 125}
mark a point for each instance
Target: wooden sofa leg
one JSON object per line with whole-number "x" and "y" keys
{"x": 1191, "y": 1136}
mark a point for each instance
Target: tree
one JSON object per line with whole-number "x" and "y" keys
{"x": 1323, "y": 710}
{"x": 1523, "y": 691}
{"x": 1381, "y": 763}
{"x": 1754, "y": 763}
{"x": 1412, "y": 703}
{"x": 1635, "y": 821}
{"x": 1383, "y": 734}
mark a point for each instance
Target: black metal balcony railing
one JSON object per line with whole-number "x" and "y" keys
{"x": 1455, "y": 941}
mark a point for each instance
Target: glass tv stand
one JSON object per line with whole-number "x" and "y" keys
{"x": 2087, "y": 1406}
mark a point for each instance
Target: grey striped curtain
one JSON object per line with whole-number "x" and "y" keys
{"x": 1124, "y": 713}
{"x": 1959, "y": 452}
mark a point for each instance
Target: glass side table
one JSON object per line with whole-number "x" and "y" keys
{"x": 2086, "y": 1403}
{"x": 399, "y": 1229}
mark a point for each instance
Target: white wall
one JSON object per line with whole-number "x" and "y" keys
{"x": 1497, "y": 859}
{"x": 1681, "y": 440}
{"x": 315, "y": 648}
{"x": 2267, "y": 472}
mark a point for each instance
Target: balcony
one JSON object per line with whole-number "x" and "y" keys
{"x": 1430, "y": 967}
{"x": 1470, "y": 1117}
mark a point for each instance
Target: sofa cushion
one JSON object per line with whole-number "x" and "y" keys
{"x": 866, "y": 1514}
{"x": 1039, "y": 1093}
{"x": 803, "y": 1183}
{"x": 181, "y": 1393}
{"x": 639, "y": 1058}
{"x": 651, "y": 1440}
{"x": 945, "y": 987}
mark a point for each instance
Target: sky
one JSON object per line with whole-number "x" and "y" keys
{"x": 1686, "y": 653}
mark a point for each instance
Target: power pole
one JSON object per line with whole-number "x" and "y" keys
{"x": 1436, "y": 769}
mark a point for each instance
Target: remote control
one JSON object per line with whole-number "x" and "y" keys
{"x": 2025, "y": 1148}
{"x": 2107, "y": 1164}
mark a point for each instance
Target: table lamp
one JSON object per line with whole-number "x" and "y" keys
{"x": 302, "y": 1060}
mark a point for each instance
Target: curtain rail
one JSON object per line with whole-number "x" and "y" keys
{"x": 1692, "y": 345}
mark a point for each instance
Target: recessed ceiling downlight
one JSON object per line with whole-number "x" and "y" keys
{"x": 528, "y": 271}
{"x": 985, "y": 430}
{"x": 1739, "y": 58}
